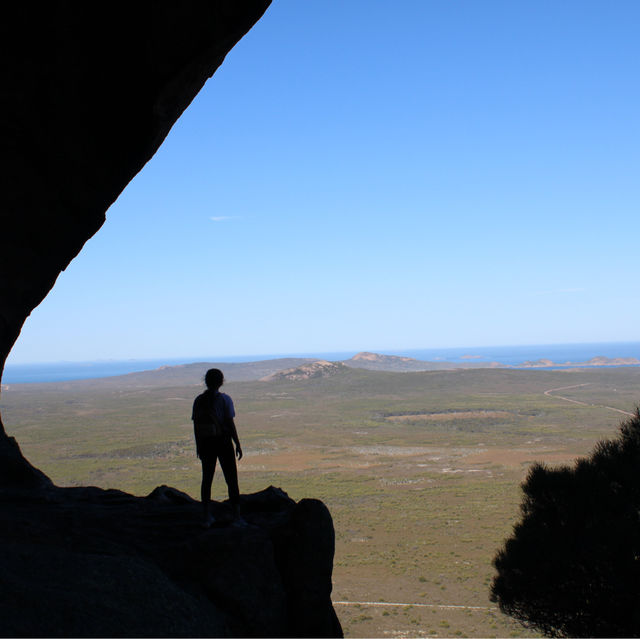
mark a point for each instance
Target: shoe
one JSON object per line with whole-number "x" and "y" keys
{"x": 240, "y": 522}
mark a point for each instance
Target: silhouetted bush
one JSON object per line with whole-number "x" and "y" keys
{"x": 572, "y": 566}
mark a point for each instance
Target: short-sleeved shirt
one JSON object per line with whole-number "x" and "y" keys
{"x": 207, "y": 447}
{"x": 222, "y": 403}
{"x": 228, "y": 409}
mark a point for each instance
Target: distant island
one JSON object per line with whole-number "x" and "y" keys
{"x": 594, "y": 361}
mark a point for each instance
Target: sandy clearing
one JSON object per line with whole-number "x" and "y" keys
{"x": 356, "y": 458}
{"x": 515, "y": 457}
{"x": 451, "y": 416}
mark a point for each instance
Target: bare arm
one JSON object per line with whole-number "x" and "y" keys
{"x": 234, "y": 436}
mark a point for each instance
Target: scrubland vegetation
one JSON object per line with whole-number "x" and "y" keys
{"x": 421, "y": 471}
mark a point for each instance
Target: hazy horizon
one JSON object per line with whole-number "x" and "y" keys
{"x": 405, "y": 352}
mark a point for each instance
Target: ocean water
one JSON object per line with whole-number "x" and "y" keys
{"x": 67, "y": 371}
{"x": 513, "y": 355}
{"x": 507, "y": 355}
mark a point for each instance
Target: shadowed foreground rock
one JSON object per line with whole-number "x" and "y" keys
{"x": 93, "y": 562}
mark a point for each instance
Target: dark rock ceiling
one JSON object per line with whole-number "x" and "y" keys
{"x": 89, "y": 91}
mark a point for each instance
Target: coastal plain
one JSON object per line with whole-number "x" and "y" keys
{"x": 420, "y": 470}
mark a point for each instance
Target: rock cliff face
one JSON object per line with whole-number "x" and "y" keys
{"x": 89, "y": 562}
{"x": 89, "y": 92}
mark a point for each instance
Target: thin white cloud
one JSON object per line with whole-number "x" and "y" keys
{"x": 223, "y": 218}
{"x": 561, "y": 291}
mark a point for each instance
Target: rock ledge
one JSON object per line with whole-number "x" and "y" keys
{"x": 93, "y": 562}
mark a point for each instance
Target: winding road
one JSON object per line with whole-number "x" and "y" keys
{"x": 413, "y": 605}
{"x": 549, "y": 393}
{"x": 575, "y": 401}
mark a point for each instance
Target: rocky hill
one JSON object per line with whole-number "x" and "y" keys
{"x": 378, "y": 362}
{"x": 314, "y": 370}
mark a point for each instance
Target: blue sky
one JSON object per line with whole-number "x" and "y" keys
{"x": 377, "y": 175}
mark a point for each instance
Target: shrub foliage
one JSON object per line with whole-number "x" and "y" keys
{"x": 572, "y": 566}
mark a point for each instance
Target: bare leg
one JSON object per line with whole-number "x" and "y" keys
{"x": 230, "y": 471}
{"x": 208, "y": 470}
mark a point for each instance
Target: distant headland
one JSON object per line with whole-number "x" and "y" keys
{"x": 560, "y": 356}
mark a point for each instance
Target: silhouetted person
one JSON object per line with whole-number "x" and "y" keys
{"x": 215, "y": 432}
